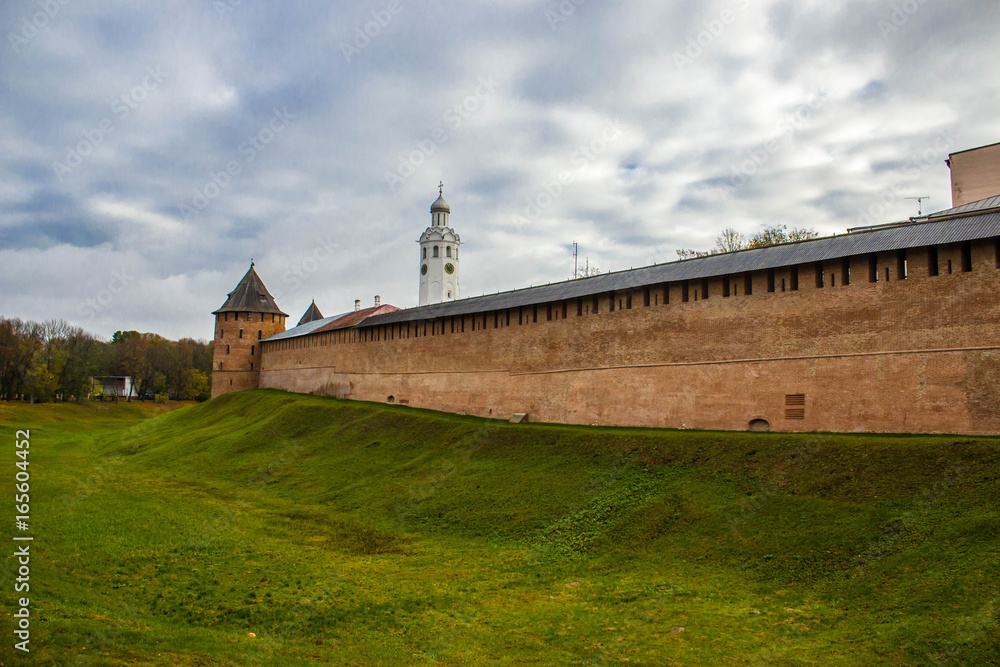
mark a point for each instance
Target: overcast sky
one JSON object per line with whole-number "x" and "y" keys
{"x": 149, "y": 150}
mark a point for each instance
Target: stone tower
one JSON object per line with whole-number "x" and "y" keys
{"x": 248, "y": 316}
{"x": 439, "y": 256}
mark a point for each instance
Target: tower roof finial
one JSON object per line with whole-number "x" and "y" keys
{"x": 441, "y": 187}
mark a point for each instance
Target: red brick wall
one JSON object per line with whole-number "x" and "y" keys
{"x": 914, "y": 355}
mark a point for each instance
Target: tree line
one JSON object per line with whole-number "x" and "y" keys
{"x": 54, "y": 360}
{"x": 731, "y": 240}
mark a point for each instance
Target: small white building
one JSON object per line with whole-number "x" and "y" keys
{"x": 112, "y": 385}
{"x": 439, "y": 256}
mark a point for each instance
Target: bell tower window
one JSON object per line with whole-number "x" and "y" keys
{"x": 436, "y": 253}
{"x": 447, "y": 251}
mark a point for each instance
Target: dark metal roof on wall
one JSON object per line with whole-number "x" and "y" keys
{"x": 250, "y": 296}
{"x": 915, "y": 234}
{"x": 971, "y": 207}
{"x": 895, "y": 237}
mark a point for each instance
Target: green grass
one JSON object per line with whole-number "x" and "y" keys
{"x": 353, "y": 533}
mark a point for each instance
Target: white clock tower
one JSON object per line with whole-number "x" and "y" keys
{"x": 439, "y": 256}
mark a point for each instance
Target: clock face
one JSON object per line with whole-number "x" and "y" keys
{"x": 423, "y": 270}
{"x": 449, "y": 268}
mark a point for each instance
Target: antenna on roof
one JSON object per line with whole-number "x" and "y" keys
{"x": 575, "y": 255}
{"x": 920, "y": 200}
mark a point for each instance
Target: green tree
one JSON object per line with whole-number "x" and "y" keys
{"x": 201, "y": 354}
{"x": 54, "y": 360}
{"x": 19, "y": 341}
{"x": 180, "y": 359}
{"x": 82, "y": 356}
{"x": 196, "y": 385}
{"x": 40, "y": 383}
{"x": 122, "y": 336}
{"x": 135, "y": 364}
{"x": 63, "y": 362}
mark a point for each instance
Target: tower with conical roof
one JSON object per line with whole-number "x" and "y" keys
{"x": 311, "y": 315}
{"x": 439, "y": 267}
{"x": 248, "y": 316}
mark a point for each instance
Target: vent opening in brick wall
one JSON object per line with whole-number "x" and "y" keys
{"x": 795, "y": 406}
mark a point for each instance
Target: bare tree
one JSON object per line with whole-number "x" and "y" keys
{"x": 801, "y": 234}
{"x": 770, "y": 235}
{"x": 730, "y": 240}
{"x": 587, "y": 270}
{"x": 685, "y": 253}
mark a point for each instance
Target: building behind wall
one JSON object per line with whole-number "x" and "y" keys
{"x": 975, "y": 174}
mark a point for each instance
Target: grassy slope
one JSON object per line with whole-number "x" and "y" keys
{"x": 343, "y": 532}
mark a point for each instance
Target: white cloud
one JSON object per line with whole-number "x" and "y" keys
{"x": 151, "y": 226}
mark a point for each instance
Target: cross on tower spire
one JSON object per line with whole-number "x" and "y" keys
{"x": 441, "y": 187}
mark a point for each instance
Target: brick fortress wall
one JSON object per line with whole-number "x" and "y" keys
{"x": 885, "y": 353}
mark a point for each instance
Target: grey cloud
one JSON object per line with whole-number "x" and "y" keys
{"x": 656, "y": 188}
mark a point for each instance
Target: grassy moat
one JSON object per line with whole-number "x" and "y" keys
{"x": 353, "y": 533}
